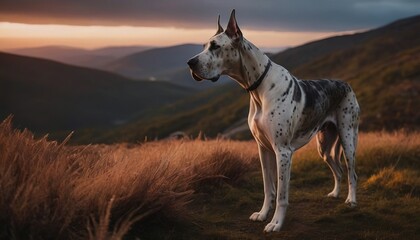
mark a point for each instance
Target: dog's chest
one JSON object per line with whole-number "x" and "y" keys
{"x": 280, "y": 131}
{"x": 259, "y": 128}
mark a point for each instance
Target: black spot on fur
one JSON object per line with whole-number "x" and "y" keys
{"x": 297, "y": 94}
{"x": 272, "y": 85}
{"x": 287, "y": 90}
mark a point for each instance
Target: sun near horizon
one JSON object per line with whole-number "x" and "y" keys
{"x": 23, "y": 35}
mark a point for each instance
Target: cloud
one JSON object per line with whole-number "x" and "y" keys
{"x": 286, "y": 15}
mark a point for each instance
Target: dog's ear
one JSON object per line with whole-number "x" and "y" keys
{"x": 219, "y": 28}
{"x": 232, "y": 29}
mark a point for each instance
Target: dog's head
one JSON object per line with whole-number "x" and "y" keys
{"x": 220, "y": 54}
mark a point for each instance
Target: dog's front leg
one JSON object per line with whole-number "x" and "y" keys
{"x": 268, "y": 167}
{"x": 284, "y": 162}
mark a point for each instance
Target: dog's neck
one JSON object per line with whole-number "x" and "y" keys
{"x": 252, "y": 65}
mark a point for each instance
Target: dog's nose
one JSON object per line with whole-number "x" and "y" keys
{"x": 193, "y": 61}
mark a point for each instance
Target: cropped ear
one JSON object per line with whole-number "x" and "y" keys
{"x": 219, "y": 28}
{"x": 232, "y": 29}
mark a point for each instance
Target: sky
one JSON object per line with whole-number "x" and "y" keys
{"x": 267, "y": 23}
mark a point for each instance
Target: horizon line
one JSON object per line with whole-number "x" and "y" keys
{"x": 18, "y": 35}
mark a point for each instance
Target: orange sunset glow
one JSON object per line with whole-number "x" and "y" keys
{"x": 17, "y": 35}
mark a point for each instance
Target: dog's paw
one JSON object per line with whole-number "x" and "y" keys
{"x": 333, "y": 194}
{"x": 272, "y": 227}
{"x": 258, "y": 216}
{"x": 351, "y": 204}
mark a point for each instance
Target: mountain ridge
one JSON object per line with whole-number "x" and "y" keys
{"x": 47, "y": 96}
{"x": 94, "y": 58}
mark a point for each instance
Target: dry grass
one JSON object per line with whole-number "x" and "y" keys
{"x": 394, "y": 181}
{"x": 375, "y": 151}
{"x": 49, "y": 190}
{"x": 391, "y": 162}
{"x": 53, "y": 191}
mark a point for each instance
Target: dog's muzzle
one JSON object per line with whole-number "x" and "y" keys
{"x": 192, "y": 63}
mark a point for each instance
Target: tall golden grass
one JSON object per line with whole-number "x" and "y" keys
{"x": 50, "y": 190}
{"x": 375, "y": 151}
{"x": 388, "y": 160}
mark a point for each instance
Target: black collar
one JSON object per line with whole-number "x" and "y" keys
{"x": 260, "y": 79}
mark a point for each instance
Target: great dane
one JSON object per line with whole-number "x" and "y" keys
{"x": 285, "y": 114}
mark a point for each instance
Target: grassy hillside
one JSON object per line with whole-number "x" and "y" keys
{"x": 212, "y": 111}
{"x": 47, "y": 96}
{"x": 382, "y": 65}
{"x": 193, "y": 189}
{"x": 51, "y": 191}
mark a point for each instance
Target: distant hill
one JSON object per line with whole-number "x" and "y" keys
{"x": 166, "y": 64}
{"x": 47, "y": 96}
{"x": 119, "y": 51}
{"x": 382, "y": 65}
{"x": 161, "y": 64}
{"x": 95, "y": 58}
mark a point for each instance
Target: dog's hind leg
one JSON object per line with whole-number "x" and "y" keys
{"x": 348, "y": 117}
{"x": 268, "y": 166}
{"x": 329, "y": 148}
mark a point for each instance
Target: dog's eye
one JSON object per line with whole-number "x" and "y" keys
{"x": 214, "y": 46}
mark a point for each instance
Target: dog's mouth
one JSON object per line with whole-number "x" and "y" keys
{"x": 199, "y": 78}
{"x": 195, "y": 76}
